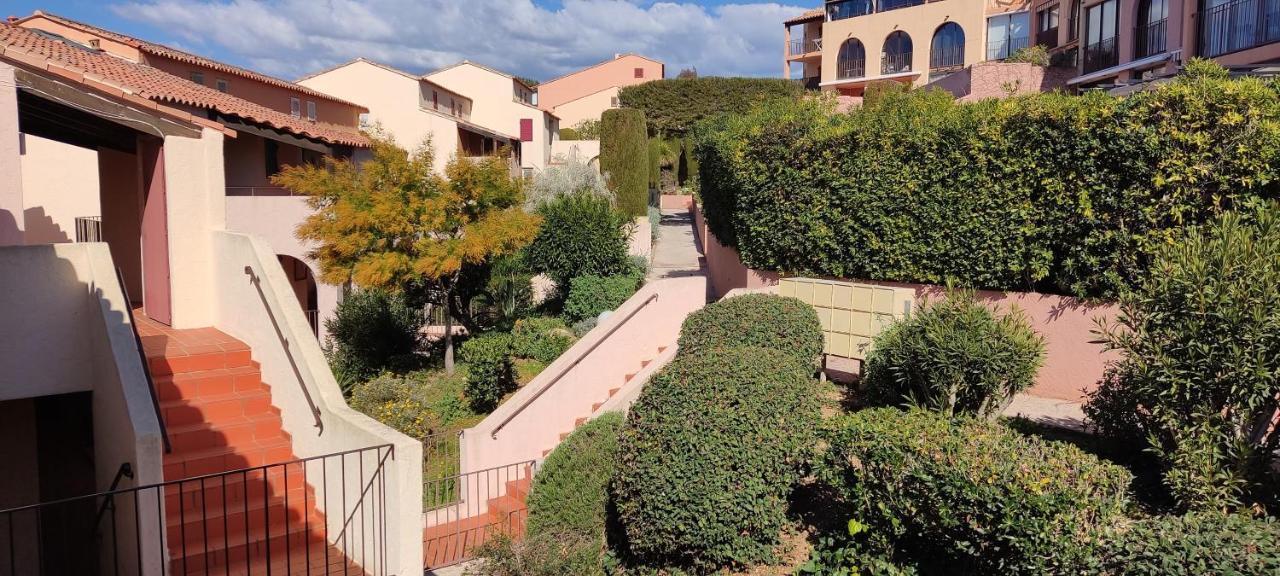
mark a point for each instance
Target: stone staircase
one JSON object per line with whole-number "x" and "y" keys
{"x": 451, "y": 542}
{"x": 595, "y": 408}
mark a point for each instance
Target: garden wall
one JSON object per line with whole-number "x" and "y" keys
{"x": 1072, "y": 365}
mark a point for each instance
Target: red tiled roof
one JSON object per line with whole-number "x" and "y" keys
{"x": 44, "y": 51}
{"x": 807, "y": 16}
{"x": 173, "y": 53}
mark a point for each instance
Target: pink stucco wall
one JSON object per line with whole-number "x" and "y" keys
{"x": 617, "y": 72}
{"x": 1003, "y": 79}
{"x": 1073, "y": 365}
{"x": 676, "y": 202}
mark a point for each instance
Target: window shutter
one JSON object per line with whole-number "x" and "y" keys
{"x": 639, "y": 72}
{"x": 526, "y": 129}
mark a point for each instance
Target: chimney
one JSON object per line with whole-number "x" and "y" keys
{"x": 95, "y": 43}
{"x": 12, "y": 19}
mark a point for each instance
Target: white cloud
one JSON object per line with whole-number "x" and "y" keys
{"x": 292, "y": 37}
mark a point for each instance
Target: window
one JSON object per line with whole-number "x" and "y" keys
{"x": 223, "y": 85}
{"x": 1101, "y": 26}
{"x": 851, "y": 62}
{"x": 1006, "y": 34}
{"x": 1073, "y": 21}
{"x": 849, "y": 9}
{"x": 295, "y": 107}
{"x": 526, "y": 129}
{"x": 639, "y": 72}
{"x": 272, "y": 150}
{"x": 197, "y": 77}
{"x": 1047, "y": 26}
{"x": 896, "y": 56}
{"x": 311, "y": 110}
{"x": 435, "y": 100}
{"x": 613, "y": 102}
{"x": 365, "y": 122}
{"x": 947, "y": 50}
{"x": 1150, "y": 34}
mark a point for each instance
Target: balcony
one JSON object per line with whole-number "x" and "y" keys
{"x": 854, "y": 8}
{"x": 1047, "y": 38}
{"x": 804, "y": 46}
{"x": 1149, "y": 39}
{"x": 1101, "y": 55}
{"x": 1001, "y": 49}
{"x": 1239, "y": 25}
{"x": 895, "y": 63}
{"x": 852, "y": 70}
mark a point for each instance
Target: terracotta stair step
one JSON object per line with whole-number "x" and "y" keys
{"x": 237, "y": 497}
{"x": 596, "y": 406}
{"x": 163, "y": 365}
{"x": 226, "y": 458}
{"x": 209, "y": 382}
{"x": 234, "y": 529}
{"x": 662, "y": 349}
{"x": 222, "y": 554}
{"x": 613, "y": 391}
{"x": 579, "y": 422}
{"x": 450, "y": 528}
{"x": 322, "y": 560}
{"x": 213, "y": 408}
{"x": 226, "y": 432}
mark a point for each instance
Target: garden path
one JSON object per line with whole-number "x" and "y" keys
{"x": 676, "y": 252}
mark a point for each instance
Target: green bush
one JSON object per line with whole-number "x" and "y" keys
{"x": 570, "y": 494}
{"x": 1200, "y": 370}
{"x": 1048, "y": 192}
{"x": 675, "y": 106}
{"x": 543, "y": 339}
{"x": 582, "y": 234}
{"x": 372, "y": 331}
{"x": 969, "y": 496}
{"x": 711, "y": 450}
{"x": 762, "y": 320}
{"x": 1192, "y": 545}
{"x": 955, "y": 356}
{"x": 542, "y": 555}
{"x": 624, "y": 158}
{"x": 490, "y": 372}
{"x": 584, "y": 130}
{"x": 591, "y": 295}
{"x": 418, "y": 404}
{"x": 1038, "y": 55}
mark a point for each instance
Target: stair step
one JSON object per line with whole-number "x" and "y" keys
{"x": 179, "y": 465}
{"x": 191, "y": 385}
{"x": 613, "y": 391}
{"x": 596, "y": 406}
{"x": 227, "y": 432}
{"x": 223, "y": 554}
{"x": 232, "y": 523}
{"x": 235, "y": 489}
{"x": 216, "y": 408}
{"x": 645, "y": 363}
{"x": 167, "y": 365}
{"x": 662, "y": 349}
{"x": 628, "y": 377}
{"x": 579, "y": 422}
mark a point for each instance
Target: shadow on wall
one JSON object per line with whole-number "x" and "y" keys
{"x": 41, "y": 229}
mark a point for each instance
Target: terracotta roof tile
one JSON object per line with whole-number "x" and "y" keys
{"x": 807, "y": 16}
{"x": 48, "y": 52}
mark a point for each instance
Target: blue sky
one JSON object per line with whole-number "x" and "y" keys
{"x": 536, "y": 38}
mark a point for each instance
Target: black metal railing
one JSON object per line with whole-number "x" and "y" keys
{"x": 89, "y": 229}
{"x": 895, "y": 63}
{"x": 479, "y": 505}
{"x": 1048, "y": 38}
{"x": 1101, "y": 55}
{"x": 1149, "y": 39}
{"x": 849, "y": 9}
{"x": 855, "y": 69}
{"x": 804, "y": 46}
{"x": 319, "y": 515}
{"x": 944, "y": 58}
{"x": 1239, "y": 25}
{"x": 1001, "y": 49}
{"x": 146, "y": 365}
{"x": 313, "y": 318}
{"x": 440, "y": 462}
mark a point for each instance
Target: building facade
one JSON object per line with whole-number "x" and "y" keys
{"x": 587, "y": 93}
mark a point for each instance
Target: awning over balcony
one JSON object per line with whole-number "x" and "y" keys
{"x": 904, "y": 77}
{"x": 1112, "y": 71}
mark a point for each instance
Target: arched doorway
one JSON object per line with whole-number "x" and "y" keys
{"x": 946, "y": 54}
{"x": 852, "y": 60}
{"x": 304, "y": 287}
{"x": 896, "y": 56}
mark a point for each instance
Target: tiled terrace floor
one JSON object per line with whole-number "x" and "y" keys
{"x": 160, "y": 340}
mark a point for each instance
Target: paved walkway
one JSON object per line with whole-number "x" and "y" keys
{"x": 675, "y": 253}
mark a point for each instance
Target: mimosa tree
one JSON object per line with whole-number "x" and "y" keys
{"x": 389, "y": 222}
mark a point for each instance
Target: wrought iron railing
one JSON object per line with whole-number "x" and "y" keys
{"x": 479, "y": 505}
{"x": 313, "y": 318}
{"x": 1048, "y": 38}
{"x": 895, "y": 63}
{"x": 1239, "y": 25}
{"x": 319, "y": 515}
{"x": 1149, "y": 39}
{"x": 943, "y": 58}
{"x": 855, "y": 69}
{"x": 804, "y": 46}
{"x": 89, "y": 229}
{"x": 440, "y": 462}
{"x": 259, "y": 191}
{"x": 1101, "y": 55}
{"x": 1001, "y": 49}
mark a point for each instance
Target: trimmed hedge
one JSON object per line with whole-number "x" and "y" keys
{"x": 970, "y": 496}
{"x": 710, "y": 453}
{"x": 675, "y": 106}
{"x": 955, "y": 356}
{"x": 543, "y": 339}
{"x": 490, "y": 372}
{"x": 1193, "y": 545}
{"x": 570, "y": 494}
{"x": 591, "y": 295}
{"x": 1047, "y": 192}
{"x": 371, "y": 331}
{"x": 581, "y": 234}
{"x": 624, "y": 158}
{"x": 763, "y": 320}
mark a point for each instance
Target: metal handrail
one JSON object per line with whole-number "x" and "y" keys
{"x": 125, "y": 471}
{"x": 260, "y": 191}
{"x": 146, "y": 366}
{"x": 652, "y": 298}
{"x": 284, "y": 340}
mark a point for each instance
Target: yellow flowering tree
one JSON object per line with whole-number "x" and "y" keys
{"x": 389, "y": 222}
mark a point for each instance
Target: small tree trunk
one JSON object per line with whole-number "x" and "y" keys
{"x": 448, "y": 341}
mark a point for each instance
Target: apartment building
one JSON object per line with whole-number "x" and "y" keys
{"x": 587, "y": 93}
{"x": 848, "y": 44}
{"x": 502, "y": 104}
{"x": 167, "y": 405}
{"x": 414, "y": 110}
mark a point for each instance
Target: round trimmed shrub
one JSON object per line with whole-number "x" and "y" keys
{"x": 709, "y": 455}
{"x": 969, "y": 496}
{"x": 490, "y": 372}
{"x": 591, "y": 295}
{"x": 761, "y": 320}
{"x": 581, "y": 234}
{"x": 954, "y": 356}
{"x": 1191, "y": 545}
{"x": 541, "y": 338}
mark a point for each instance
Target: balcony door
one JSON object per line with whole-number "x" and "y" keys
{"x": 1101, "y": 27}
{"x": 1006, "y": 34}
{"x": 1152, "y": 19}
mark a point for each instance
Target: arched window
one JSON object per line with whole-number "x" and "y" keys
{"x": 897, "y": 54}
{"x": 1073, "y": 21}
{"x": 947, "y": 50}
{"x": 852, "y": 61}
{"x": 1150, "y": 37}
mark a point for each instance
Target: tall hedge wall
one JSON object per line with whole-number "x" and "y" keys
{"x": 624, "y": 156}
{"x": 1047, "y": 192}
{"x": 674, "y": 106}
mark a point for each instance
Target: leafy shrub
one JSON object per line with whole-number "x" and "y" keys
{"x": 371, "y": 331}
{"x": 970, "y": 496}
{"x": 675, "y": 106}
{"x": 542, "y": 555}
{"x": 543, "y": 339}
{"x": 624, "y": 157}
{"x": 954, "y": 356}
{"x": 709, "y": 455}
{"x": 1191, "y": 545}
{"x": 591, "y": 295}
{"x": 1037, "y": 54}
{"x": 570, "y": 494}
{"x": 418, "y": 404}
{"x": 1200, "y": 372}
{"x": 1047, "y": 192}
{"x": 581, "y": 327}
{"x": 571, "y": 176}
{"x": 762, "y": 320}
{"x": 490, "y": 374}
{"x": 582, "y": 234}
{"x": 583, "y": 130}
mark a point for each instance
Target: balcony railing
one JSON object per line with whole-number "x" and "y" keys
{"x": 849, "y": 70}
{"x": 1101, "y": 55}
{"x": 258, "y": 191}
{"x": 1239, "y": 25}
{"x": 804, "y": 46}
{"x": 1048, "y": 38}
{"x": 88, "y": 229}
{"x": 946, "y": 58}
{"x": 855, "y": 8}
{"x": 1001, "y": 49}
{"x": 895, "y": 63}
{"x": 1149, "y": 39}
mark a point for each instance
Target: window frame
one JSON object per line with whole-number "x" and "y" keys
{"x": 311, "y": 110}
{"x": 295, "y": 107}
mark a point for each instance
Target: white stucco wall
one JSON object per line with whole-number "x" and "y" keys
{"x": 11, "y": 225}
{"x": 588, "y": 107}
{"x": 59, "y": 184}
{"x": 495, "y": 109}
{"x": 195, "y": 193}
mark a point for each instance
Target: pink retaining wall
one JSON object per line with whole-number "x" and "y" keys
{"x": 1072, "y": 365}
{"x": 676, "y": 201}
